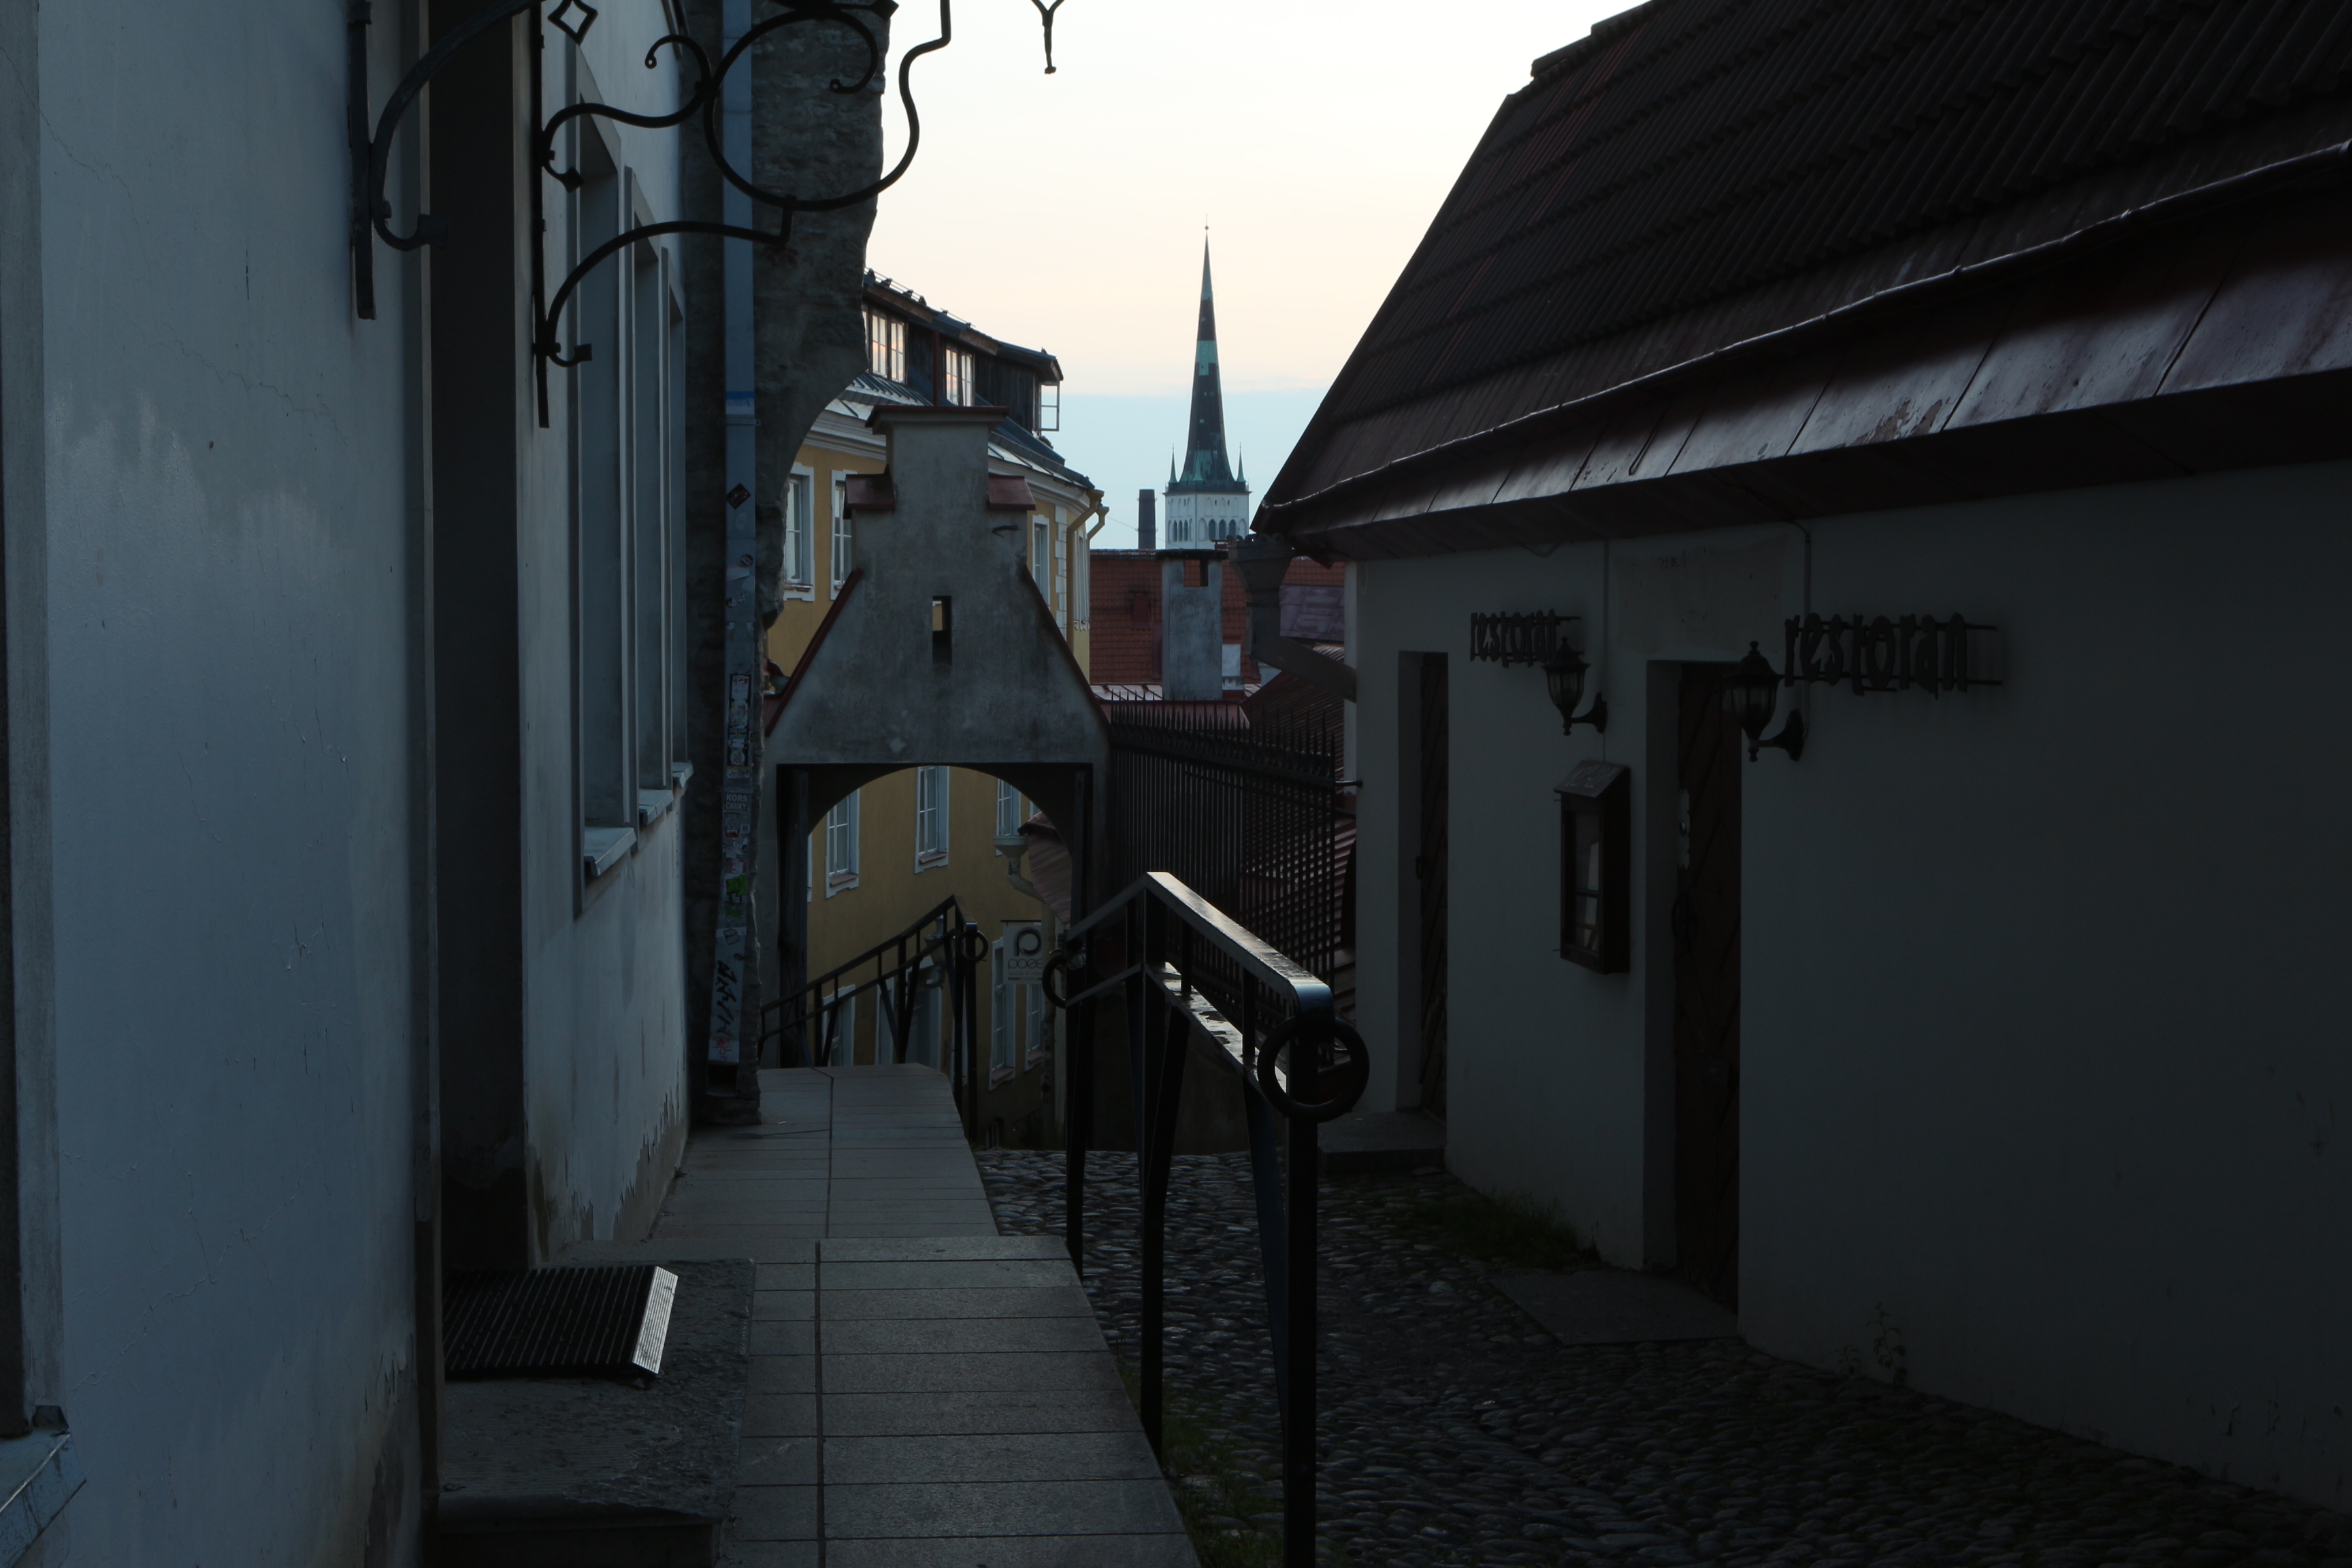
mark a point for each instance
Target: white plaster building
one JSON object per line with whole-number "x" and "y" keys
{"x": 343, "y": 731}
{"x": 1994, "y": 1043}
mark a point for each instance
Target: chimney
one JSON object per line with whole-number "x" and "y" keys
{"x": 1147, "y": 521}
{"x": 1191, "y": 627}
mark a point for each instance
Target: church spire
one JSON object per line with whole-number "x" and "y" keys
{"x": 1204, "y": 451}
{"x": 1205, "y": 501}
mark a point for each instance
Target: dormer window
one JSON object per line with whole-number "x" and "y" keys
{"x": 957, "y": 377}
{"x": 886, "y": 345}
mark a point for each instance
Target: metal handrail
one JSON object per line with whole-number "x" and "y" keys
{"x": 897, "y": 960}
{"x": 1170, "y": 939}
{"x": 1225, "y": 932}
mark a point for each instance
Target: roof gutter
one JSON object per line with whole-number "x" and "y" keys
{"x": 2326, "y": 165}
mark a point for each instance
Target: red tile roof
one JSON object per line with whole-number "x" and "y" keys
{"x": 1124, "y": 627}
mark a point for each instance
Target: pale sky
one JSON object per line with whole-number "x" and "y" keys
{"x": 1316, "y": 137}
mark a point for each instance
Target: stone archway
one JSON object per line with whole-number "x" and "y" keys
{"x": 939, "y": 651}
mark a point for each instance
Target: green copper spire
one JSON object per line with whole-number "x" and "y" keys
{"x": 1204, "y": 453}
{"x": 1205, "y": 501}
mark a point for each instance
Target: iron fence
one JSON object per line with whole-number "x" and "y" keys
{"x": 1247, "y": 809}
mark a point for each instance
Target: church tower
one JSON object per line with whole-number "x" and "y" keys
{"x": 1205, "y": 501}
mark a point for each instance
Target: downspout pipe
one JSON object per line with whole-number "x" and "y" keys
{"x": 1262, "y": 563}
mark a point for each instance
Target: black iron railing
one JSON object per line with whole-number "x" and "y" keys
{"x": 941, "y": 950}
{"x": 1249, "y": 810}
{"x": 1189, "y": 976}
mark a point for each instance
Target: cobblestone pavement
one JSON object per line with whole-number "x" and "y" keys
{"x": 1455, "y": 1432}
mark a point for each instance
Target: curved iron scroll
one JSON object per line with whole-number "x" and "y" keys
{"x": 372, "y": 153}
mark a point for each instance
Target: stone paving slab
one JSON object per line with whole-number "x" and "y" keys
{"x": 930, "y": 1510}
{"x": 1078, "y": 1552}
{"x": 985, "y": 1372}
{"x": 1024, "y": 1456}
{"x": 955, "y": 1415}
{"x": 956, "y": 1336}
{"x": 922, "y": 1390}
{"x": 1045, "y": 1302}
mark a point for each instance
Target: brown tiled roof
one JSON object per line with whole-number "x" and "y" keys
{"x": 1698, "y": 173}
{"x": 1123, "y": 614}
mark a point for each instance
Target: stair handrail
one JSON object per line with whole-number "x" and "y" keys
{"x": 1325, "y": 1074}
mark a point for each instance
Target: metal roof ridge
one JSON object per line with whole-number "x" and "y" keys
{"x": 2174, "y": 207}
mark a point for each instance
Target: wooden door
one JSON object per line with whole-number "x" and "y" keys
{"x": 1706, "y": 987}
{"x": 1430, "y": 865}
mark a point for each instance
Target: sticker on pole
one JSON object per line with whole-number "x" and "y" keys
{"x": 1024, "y": 954}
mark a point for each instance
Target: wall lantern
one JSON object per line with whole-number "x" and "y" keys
{"x": 1596, "y": 879}
{"x": 1752, "y": 694}
{"x": 1564, "y": 678}
{"x": 1539, "y": 637}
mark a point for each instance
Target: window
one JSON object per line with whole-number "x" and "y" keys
{"x": 599, "y": 526}
{"x": 955, "y": 367}
{"x": 650, "y": 523}
{"x": 1018, "y": 1018}
{"x": 1049, "y": 405}
{"x": 800, "y": 524}
{"x": 931, "y": 817}
{"x": 1041, "y": 552}
{"x": 837, "y": 1046}
{"x": 841, "y": 845}
{"x": 886, "y": 345}
{"x": 844, "y": 536}
{"x": 1061, "y": 570}
{"x": 1009, "y": 817}
{"x": 1082, "y": 586}
{"x": 924, "y": 1019}
{"x": 1037, "y": 1036}
{"x": 1003, "y": 1021}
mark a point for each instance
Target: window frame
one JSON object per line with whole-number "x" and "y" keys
{"x": 1007, "y": 795}
{"x": 841, "y": 553}
{"x": 958, "y": 370}
{"x": 886, "y": 345}
{"x": 842, "y": 831}
{"x": 799, "y": 533}
{"x": 999, "y": 1005}
{"x": 931, "y": 817}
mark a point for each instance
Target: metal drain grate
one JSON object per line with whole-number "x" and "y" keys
{"x": 554, "y": 1321}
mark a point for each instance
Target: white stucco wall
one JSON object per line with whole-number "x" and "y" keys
{"x": 227, "y": 593}
{"x": 604, "y": 966}
{"x": 2042, "y": 1061}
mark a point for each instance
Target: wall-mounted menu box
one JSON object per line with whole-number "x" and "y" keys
{"x": 1596, "y": 831}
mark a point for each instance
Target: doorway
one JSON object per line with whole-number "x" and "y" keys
{"x": 1431, "y": 868}
{"x": 1706, "y": 923}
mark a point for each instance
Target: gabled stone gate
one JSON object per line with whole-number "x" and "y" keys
{"x": 939, "y": 651}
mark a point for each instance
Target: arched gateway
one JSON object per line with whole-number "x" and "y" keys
{"x": 939, "y": 651}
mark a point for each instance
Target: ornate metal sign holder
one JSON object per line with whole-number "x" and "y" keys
{"x": 372, "y": 154}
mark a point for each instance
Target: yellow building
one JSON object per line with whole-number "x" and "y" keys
{"x": 900, "y": 847}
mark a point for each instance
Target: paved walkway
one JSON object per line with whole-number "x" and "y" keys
{"x": 925, "y": 1393}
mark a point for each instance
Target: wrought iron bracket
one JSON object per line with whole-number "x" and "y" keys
{"x": 1046, "y": 14}
{"x": 372, "y": 152}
